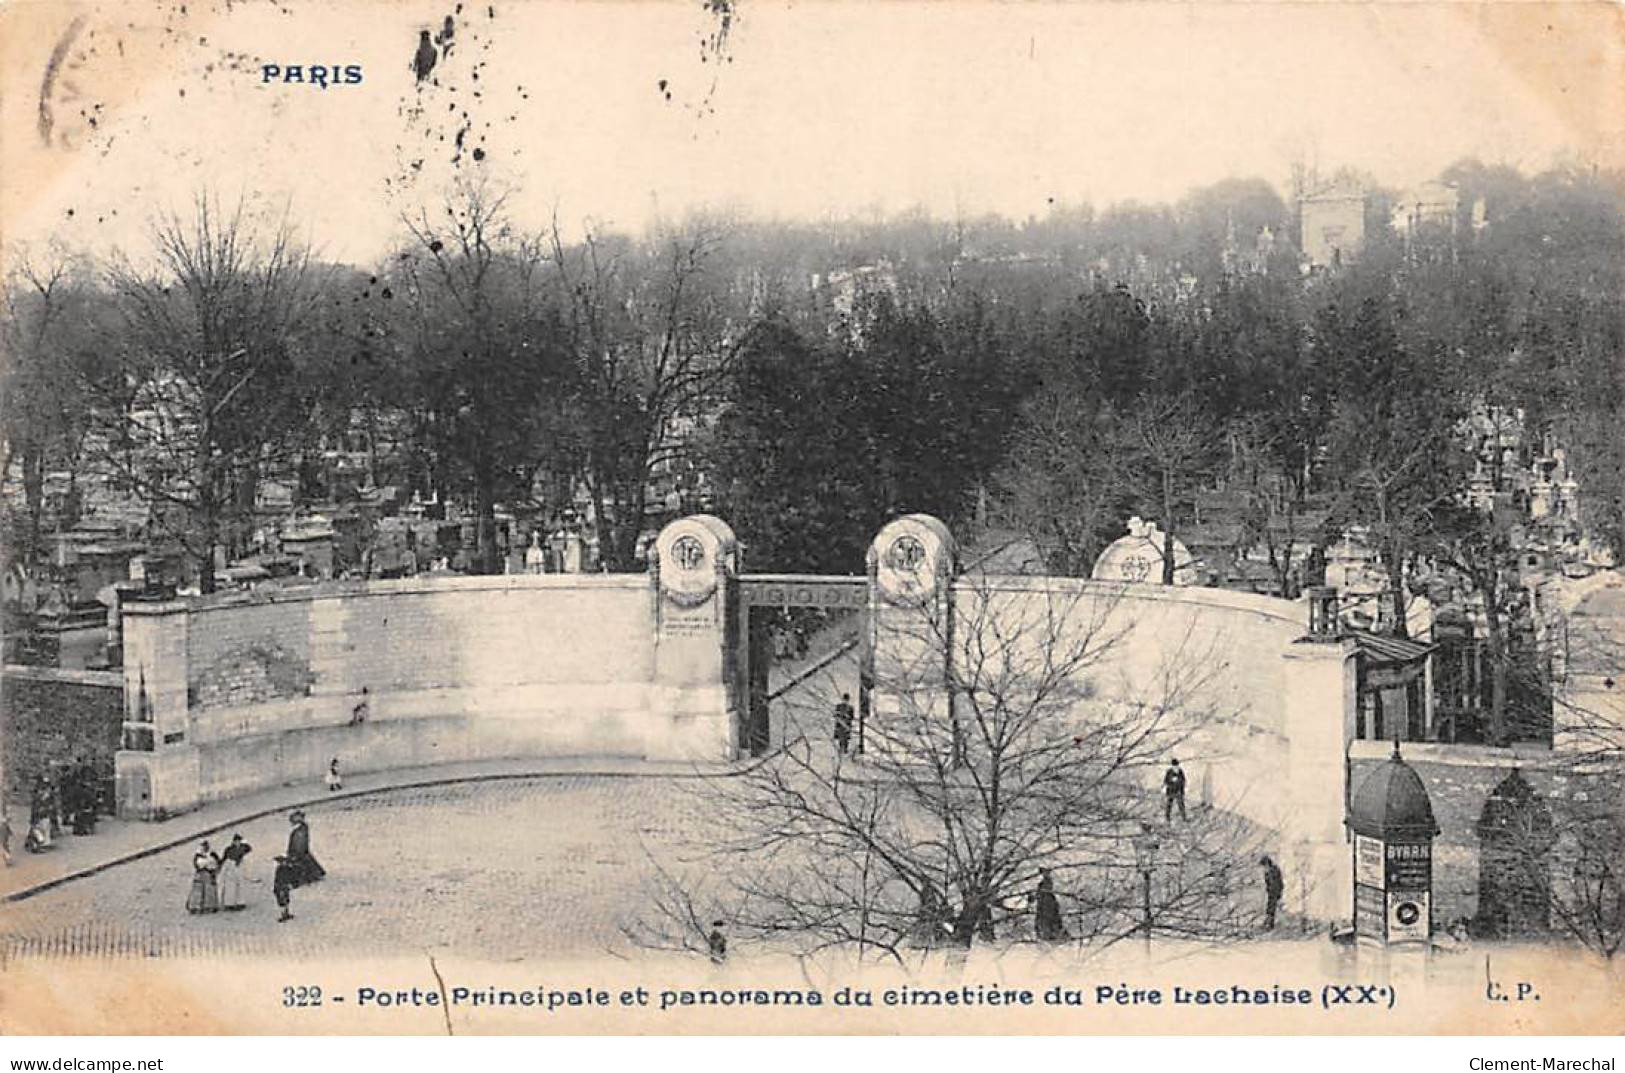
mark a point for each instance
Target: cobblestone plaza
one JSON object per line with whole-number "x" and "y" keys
{"x": 507, "y": 869}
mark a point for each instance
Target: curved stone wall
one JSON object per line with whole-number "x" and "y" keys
{"x": 1216, "y": 655}
{"x": 226, "y": 696}
{"x": 242, "y": 693}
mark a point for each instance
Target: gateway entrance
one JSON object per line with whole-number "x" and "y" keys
{"x": 803, "y": 640}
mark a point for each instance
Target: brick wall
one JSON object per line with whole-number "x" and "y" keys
{"x": 51, "y": 716}
{"x": 248, "y": 654}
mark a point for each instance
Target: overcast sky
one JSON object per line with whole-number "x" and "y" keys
{"x": 826, "y": 108}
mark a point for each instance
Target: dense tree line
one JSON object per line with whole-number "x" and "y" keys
{"x": 1046, "y": 377}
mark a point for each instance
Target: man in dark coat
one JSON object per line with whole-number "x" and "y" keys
{"x": 82, "y": 811}
{"x": 1173, "y": 787}
{"x": 716, "y": 943}
{"x": 1048, "y": 926}
{"x": 843, "y": 723}
{"x": 1273, "y": 886}
{"x": 305, "y": 869}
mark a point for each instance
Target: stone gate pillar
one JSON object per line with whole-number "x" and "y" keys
{"x": 156, "y": 770}
{"x": 911, "y": 569}
{"x": 1318, "y": 685}
{"x": 695, "y": 563}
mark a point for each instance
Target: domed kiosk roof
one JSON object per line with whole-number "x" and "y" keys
{"x": 1393, "y": 803}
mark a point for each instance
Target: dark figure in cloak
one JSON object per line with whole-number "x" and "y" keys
{"x": 82, "y": 807}
{"x": 305, "y": 869}
{"x": 1273, "y": 886}
{"x": 91, "y": 780}
{"x": 72, "y": 799}
{"x": 843, "y": 723}
{"x": 1047, "y": 923}
{"x": 717, "y": 943}
{"x": 1173, "y": 787}
{"x": 282, "y": 885}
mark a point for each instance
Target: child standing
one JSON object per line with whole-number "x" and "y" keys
{"x": 334, "y": 782}
{"x": 282, "y": 888}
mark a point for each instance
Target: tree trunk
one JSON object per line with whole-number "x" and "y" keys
{"x": 1167, "y": 528}
{"x": 208, "y": 516}
{"x": 34, "y": 491}
{"x": 1396, "y": 590}
{"x": 1495, "y": 638}
{"x": 485, "y": 539}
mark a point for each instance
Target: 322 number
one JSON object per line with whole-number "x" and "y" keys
{"x": 301, "y": 996}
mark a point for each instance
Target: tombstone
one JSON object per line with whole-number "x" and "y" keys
{"x": 1392, "y": 820}
{"x": 1540, "y": 498}
{"x": 311, "y": 540}
{"x": 535, "y": 556}
{"x": 1515, "y": 837}
{"x": 1138, "y": 557}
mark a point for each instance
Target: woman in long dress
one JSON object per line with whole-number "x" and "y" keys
{"x": 301, "y": 861}
{"x": 204, "y": 896}
{"x": 231, "y": 873}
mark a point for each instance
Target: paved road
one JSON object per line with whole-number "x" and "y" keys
{"x": 544, "y": 866}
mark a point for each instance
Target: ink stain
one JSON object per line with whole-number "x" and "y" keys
{"x": 423, "y": 62}
{"x": 47, "y": 115}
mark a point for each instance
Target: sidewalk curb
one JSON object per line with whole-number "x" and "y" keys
{"x": 344, "y": 795}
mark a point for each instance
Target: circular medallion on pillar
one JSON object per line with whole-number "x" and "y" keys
{"x": 911, "y": 559}
{"x": 693, "y": 554}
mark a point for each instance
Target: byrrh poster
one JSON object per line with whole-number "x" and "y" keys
{"x": 814, "y": 518}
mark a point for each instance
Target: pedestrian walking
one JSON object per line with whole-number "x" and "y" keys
{"x": 282, "y": 884}
{"x": 204, "y": 895}
{"x": 717, "y": 943}
{"x": 1048, "y": 926}
{"x": 1273, "y": 886}
{"x": 231, "y": 873}
{"x": 843, "y": 723}
{"x": 1173, "y": 788}
{"x": 334, "y": 781}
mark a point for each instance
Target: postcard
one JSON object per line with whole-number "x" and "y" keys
{"x": 673, "y": 516}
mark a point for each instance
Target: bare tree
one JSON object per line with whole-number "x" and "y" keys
{"x": 1007, "y": 742}
{"x": 484, "y": 354}
{"x": 36, "y": 306}
{"x": 1055, "y": 488}
{"x": 1170, "y": 449}
{"x": 208, "y": 398}
{"x": 650, "y": 334}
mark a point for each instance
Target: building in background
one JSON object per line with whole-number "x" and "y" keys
{"x": 1332, "y": 222}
